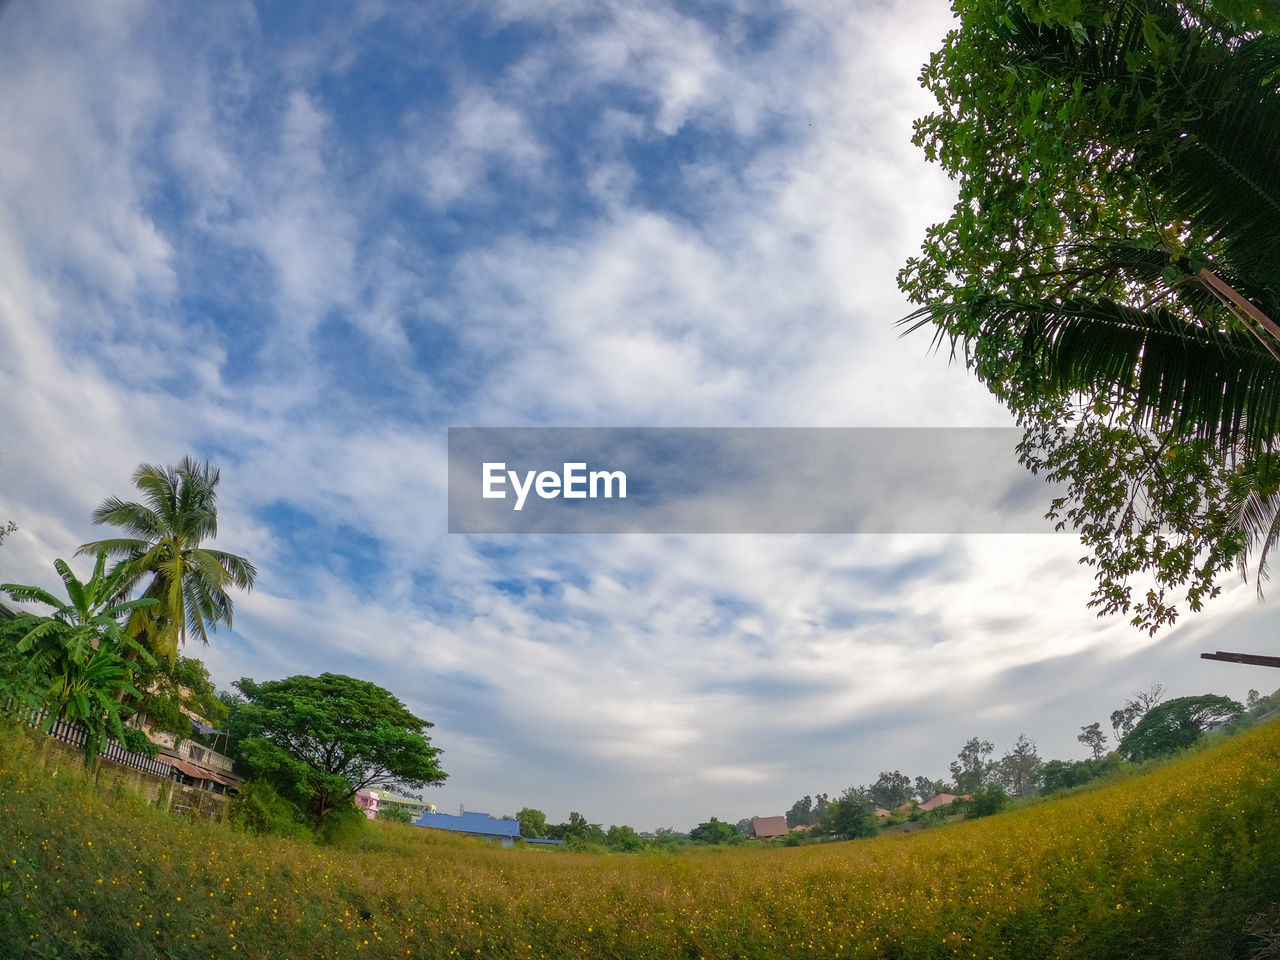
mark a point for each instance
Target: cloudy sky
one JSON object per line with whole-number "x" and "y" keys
{"x": 302, "y": 241}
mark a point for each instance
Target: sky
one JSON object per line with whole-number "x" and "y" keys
{"x": 303, "y": 241}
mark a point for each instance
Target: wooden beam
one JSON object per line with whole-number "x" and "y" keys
{"x": 1255, "y": 659}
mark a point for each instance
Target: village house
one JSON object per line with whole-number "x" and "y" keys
{"x": 766, "y": 828}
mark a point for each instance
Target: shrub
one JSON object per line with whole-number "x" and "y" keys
{"x": 395, "y": 814}
{"x": 259, "y": 810}
{"x": 135, "y": 741}
{"x": 343, "y": 825}
{"x": 988, "y": 799}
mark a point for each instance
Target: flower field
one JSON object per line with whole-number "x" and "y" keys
{"x": 1169, "y": 864}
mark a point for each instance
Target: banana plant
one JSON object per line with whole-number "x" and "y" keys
{"x": 75, "y": 661}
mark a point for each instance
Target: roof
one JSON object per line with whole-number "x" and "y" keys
{"x": 765, "y": 828}
{"x": 198, "y": 772}
{"x": 478, "y": 824}
{"x": 941, "y": 800}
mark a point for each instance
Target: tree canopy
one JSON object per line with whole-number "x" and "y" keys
{"x": 318, "y": 740}
{"x": 1177, "y": 724}
{"x": 1111, "y": 269}
{"x": 178, "y": 512}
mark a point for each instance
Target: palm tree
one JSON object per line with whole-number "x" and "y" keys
{"x": 76, "y": 659}
{"x": 166, "y": 530}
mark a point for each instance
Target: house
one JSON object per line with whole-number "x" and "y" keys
{"x": 505, "y": 832}
{"x": 941, "y": 800}
{"x": 766, "y": 828}
{"x": 883, "y": 814}
{"x": 372, "y": 801}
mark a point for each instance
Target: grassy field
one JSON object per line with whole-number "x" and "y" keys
{"x": 1170, "y": 864}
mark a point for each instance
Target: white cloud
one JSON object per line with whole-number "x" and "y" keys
{"x": 200, "y": 260}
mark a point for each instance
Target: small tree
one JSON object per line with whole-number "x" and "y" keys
{"x": 801, "y": 812}
{"x": 533, "y": 823}
{"x": 852, "y": 816}
{"x": 74, "y": 658}
{"x": 972, "y": 767}
{"x": 1093, "y": 738}
{"x": 1019, "y": 769}
{"x": 623, "y": 839}
{"x": 320, "y": 739}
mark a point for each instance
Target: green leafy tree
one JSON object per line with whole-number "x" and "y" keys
{"x": 533, "y": 823}
{"x": 988, "y": 799}
{"x": 1111, "y": 270}
{"x": 75, "y": 663}
{"x": 801, "y": 812}
{"x": 623, "y": 839}
{"x": 1176, "y": 725}
{"x": 318, "y": 740}
{"x": 891, "y": 790}
{"x": 165, "y": 552}
{"x": 851, "y": 816}
{"x": 714, "y": 831}
{"x": 1093, "y": 738}
{"x": 973, "y": 766}
{"x": 171, "y": 690}
{"x": 1019, "y": 769}
{"x": 927, "y": 789}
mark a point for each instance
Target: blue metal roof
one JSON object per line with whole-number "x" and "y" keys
{"x": 473, "y": 823}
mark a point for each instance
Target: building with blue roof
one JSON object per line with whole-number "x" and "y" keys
{"x": 474, "y": 824}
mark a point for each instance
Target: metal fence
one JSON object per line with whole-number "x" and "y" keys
{"x": 78, "y": 736}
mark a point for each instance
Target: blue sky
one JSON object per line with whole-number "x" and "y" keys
{"x": 303, "y": 244}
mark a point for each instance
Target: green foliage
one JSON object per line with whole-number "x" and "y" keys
{"x": 320, "y": 739}
{"x": 1115, "y": 227}
{"x": 1066, "y": 774}
{"x": 578, "y": 834}
{"x": 135, "y": 741}
{"x": 714, "y": 831}
{"x": 173, "y": 687}
{"x": 851, "y": 817}
{"x": 260, "y": 810}
{"x": 395, "y": 814}
{"x": 72, "y": 662}
{"x": 1176, "y": 725}
{"x": 801, "y": 812}
{"x": 973, "y": 765}
{"x": 343, "y": 825}
{"x": 533, "y": 823}
{"x": 891, "y": 790}
{"x": 188, "y": 581}
{"x": 623, "y": 839}
{"x": 1019, "y": 769}
{"x": 1093, "y": 738}
{"x": 988, "y": 799}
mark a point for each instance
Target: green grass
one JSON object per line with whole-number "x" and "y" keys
{"x": 1169, "y": 864}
